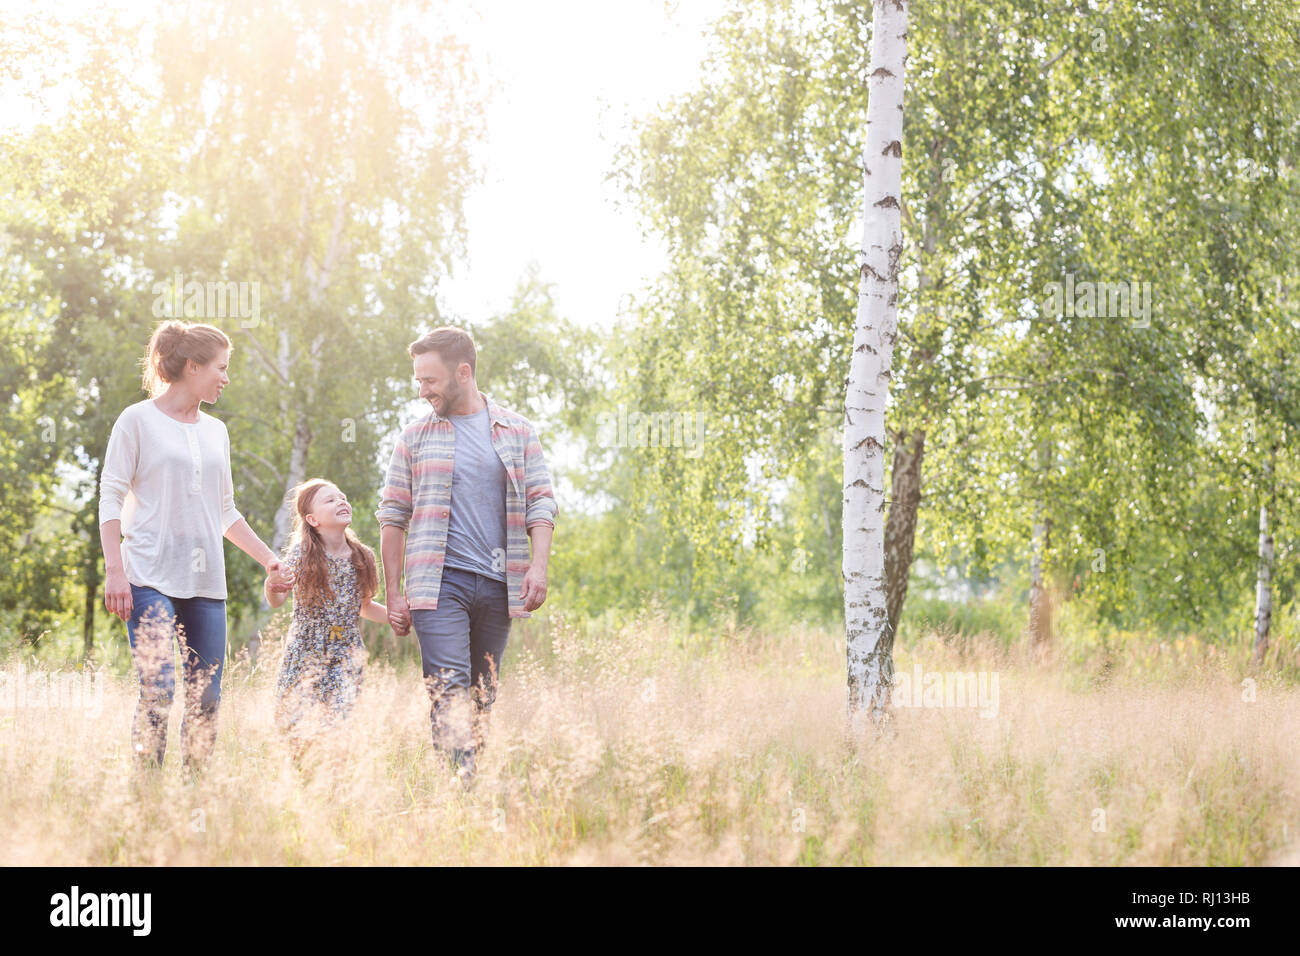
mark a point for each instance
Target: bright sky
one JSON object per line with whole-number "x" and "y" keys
{"x": 571, "y": 74}
{"x": 568, "y": 77}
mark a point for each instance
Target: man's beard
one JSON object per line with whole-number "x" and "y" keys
{"x": 451, "y": 399}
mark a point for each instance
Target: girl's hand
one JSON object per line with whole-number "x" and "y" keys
{"x": 117, "y": 593}
{"x": 278, "y": 577}
{"x": 372, "y": 610}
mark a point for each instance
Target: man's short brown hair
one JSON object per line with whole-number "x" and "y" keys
{"x": 452, "y": 345}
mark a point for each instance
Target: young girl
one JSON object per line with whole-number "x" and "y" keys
{"x": 333, "y": 576}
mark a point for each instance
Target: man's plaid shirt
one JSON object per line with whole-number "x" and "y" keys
{"x": 417, "y": 498}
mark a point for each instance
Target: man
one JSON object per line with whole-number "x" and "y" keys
{"x": 467, "y": 487}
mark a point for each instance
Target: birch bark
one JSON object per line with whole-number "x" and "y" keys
{"x": 866, "y": 617}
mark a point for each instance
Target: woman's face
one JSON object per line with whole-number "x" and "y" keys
{"x": 210, "y": 379}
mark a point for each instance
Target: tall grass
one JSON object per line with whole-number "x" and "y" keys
{"x": 639, "y": 743}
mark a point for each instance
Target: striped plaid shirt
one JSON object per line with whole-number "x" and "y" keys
{"x": 417, "y": 498}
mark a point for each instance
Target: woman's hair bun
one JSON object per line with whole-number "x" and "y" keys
{"x": 174, "y": 343}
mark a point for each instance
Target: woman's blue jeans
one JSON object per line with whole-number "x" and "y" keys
{"x": 156, "y": 624}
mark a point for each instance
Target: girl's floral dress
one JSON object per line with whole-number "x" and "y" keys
{"x": 324, "y": 656}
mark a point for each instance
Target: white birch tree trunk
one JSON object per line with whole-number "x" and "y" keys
{"x": 1264, "y": 574}
{"x": 866, "y": 616}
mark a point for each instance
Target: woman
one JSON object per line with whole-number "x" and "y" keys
{"x": 167, "y": 490}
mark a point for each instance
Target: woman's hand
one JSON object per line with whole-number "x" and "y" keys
{"x": 278, "y": 577}
{"x": 117, "y": 593}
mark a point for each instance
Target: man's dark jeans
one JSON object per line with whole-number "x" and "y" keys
{"x": 461, "y": 645}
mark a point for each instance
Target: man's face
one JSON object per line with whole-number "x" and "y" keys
{"x": 437, "y": 385}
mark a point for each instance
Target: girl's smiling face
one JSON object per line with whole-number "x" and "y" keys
{"x": 330, "y": 510}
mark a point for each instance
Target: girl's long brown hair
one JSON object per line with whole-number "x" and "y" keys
{"x": 313, "y": 578}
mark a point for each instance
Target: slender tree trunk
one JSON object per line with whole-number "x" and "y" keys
{"x": 315, "y": 281}
{"x": 90, "y": 570}
{"x": 1040, "y": 601}
{"x": 293, "y": 477}
{"x": 91, "y": 578}
{"x": 297, "y": 471}
{"x": 283, "y": 523}
{"x": 869, "y": 639}
{"x": 1264, "y": 574}
{"x": 905, "y": 480}
{"x": 900, "y": 527}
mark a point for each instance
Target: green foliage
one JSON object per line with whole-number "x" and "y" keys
{"x": 1042, "y": 142}
{"x": 322, "y": 152}
{"x": 993, "y": 617}
{"x": 533, "y": 360}
{"x": 218, "y": 147}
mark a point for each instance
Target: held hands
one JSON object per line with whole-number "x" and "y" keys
{"x": 399, "y": 614}
{"x": 533, "y": 594}
{"x": 278, "y": 577}
{"x": 534, "y": 589}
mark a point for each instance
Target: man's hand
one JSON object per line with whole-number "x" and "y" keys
{"x": 534, "y": 589}
{"x": 399, "y": 614}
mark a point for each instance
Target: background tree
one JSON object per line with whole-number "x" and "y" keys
{"x": 866, "y": 617}
{"x": 84, "y": 201}
{"x": 312, "y": 156}
{"x": 1047, "y": 140}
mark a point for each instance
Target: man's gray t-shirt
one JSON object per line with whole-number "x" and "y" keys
{"x": 476, "y": 530}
